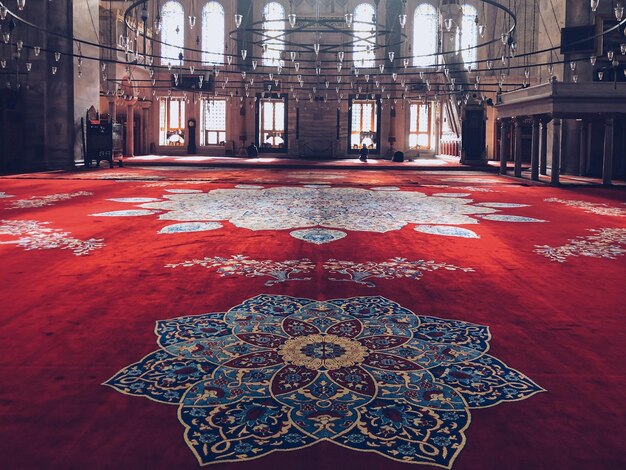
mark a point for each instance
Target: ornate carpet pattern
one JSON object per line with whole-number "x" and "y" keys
{"x": 287, "y": 270}
{"x": 354, "y": 209}
{"x": 591, "y": 207}
{"x": 361, "y": 319}
{"x": 279, "y": 373}
{"x": 394, "y": 268}
{"x": 34, "y": 235}
{"x": 40, "y": 201}
{"x": 240, "y": 265}
{"x": 606, "y": 243}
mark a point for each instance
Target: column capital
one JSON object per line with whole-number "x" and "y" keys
{"x": 544, "y": 119}
{"x": 121, "y": 101}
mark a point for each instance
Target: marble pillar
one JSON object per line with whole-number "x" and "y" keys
{"x": 130, "y": 130}
{"x": 145, "y": 146}
{"x": 504, "y": 145}
{"x": 534, "y": 153}
{"x": 556, "y": 151}
{"x": 543, "y": 146}
{"x": 517, "y": 152}
{"x": 582, "y": 153}
{"x": 607, "y": 163}
{"x": 86, "y": 73}
{"x": 112, "y": 108}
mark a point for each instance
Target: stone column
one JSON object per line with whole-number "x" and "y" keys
{"x": 85, "y": 85}
{"x": 112, "y": 108}
{"x": 130, "y": 133}
{"x": 438, "y": 113}
{"x": 243, "y": 137}
{"x": 392, "y": 133}
{"x": 543, "y": 146}
{"x": 556, "y": 151}
{"x": 145, "y": 146}
{"x": 607, "y": 164}
{"x": 518, "y": 147}
{"x": 569, "y": 127}
{"x": 534, "y": 153}
{"x": 590, "y": 125}
{"x": 504, "y": 144}
{"x": 582, "y": 157}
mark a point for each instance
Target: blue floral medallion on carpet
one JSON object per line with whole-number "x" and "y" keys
{"x": 279, "y": 373}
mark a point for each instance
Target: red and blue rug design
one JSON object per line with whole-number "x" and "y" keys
{"x": 319, "y": 213}
{"x": 280, "y": 373}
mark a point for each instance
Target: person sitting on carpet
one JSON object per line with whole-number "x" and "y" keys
{"x": 252, "y": 150}
{"x": 364, "y": 152}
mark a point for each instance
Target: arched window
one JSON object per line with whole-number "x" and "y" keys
{"x": 172, "y": 31}
{"x": 469, "y": 34}
{"x": 213, "y": 34}
{"x": 273, "y": 27}
{"x": 364, "y": 27}
{"x": 425, "y": 28}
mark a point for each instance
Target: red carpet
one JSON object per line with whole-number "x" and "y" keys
{"x": 91, "y": 261}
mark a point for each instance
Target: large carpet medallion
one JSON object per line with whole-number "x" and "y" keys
{"x": 320, "y": 208}
{"x": 279, "y": 373}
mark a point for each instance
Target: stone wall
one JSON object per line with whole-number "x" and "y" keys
{"x": 86, "y": 92}
{"x": 46, "y": 98}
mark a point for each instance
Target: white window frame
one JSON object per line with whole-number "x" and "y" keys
{"x": 276, "y": 128}
{"x": 414, "y": 126}
{"x": 207, "y": 132}
{"x": 358, "y": 111}
{"x": 166, "y": 129}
